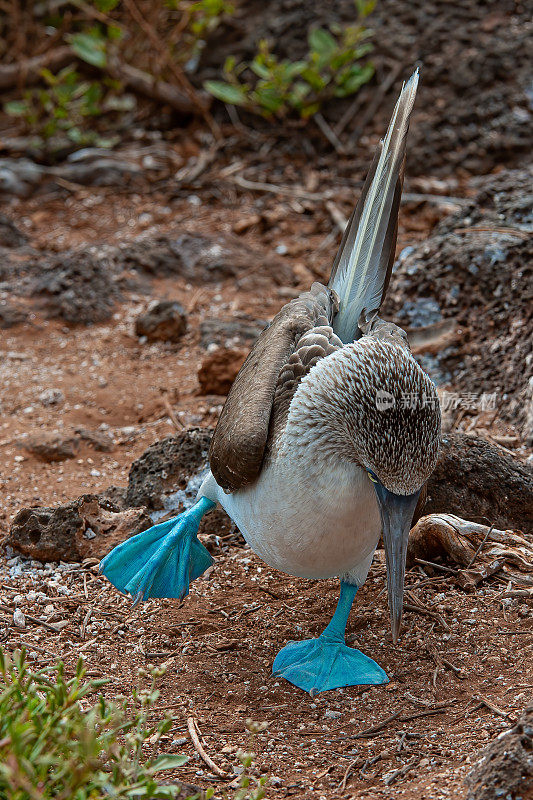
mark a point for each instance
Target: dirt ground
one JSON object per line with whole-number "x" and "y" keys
{"x": 454, "y": 684}
{"x": 461, "y": 672}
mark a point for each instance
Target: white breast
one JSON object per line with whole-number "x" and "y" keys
{"x": 306, "y": 518}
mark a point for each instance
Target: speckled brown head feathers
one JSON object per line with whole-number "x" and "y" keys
{"x": 371, "y": 402}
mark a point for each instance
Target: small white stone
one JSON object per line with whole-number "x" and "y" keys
{"x": 19, "y": 619}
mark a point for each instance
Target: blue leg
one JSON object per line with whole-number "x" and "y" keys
{"x": 161, "y": 561}
{"x": 316, "y": 665}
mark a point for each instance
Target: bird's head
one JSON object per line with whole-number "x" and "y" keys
{"x": 386, "y": 418}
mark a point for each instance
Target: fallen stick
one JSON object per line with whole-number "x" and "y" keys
{"x": 492, "y": 707}
{"x": 368, "y": 733}
{"x": 34, "y": 620}
{"x": 153, "y": 88}
{"x": 30, "y": 646}
{"x": 28, "y": 72}
{"x": 179, "y": 426}
{"x": 191, "y": 725}
{"x": 400, "y": 773}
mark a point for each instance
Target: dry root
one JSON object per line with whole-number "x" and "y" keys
{"x": 480, "y": 550}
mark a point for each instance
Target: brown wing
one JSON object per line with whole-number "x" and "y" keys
{"x": 315, "y": 344}
{"x": 238, "y": 445}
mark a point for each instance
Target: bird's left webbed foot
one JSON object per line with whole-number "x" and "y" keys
{"x": 316, "y": 665}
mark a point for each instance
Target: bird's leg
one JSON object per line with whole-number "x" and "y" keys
{"x": 336, "y": 629}
{"x": 316, "y": 665}
{"x": 161, "y": 561}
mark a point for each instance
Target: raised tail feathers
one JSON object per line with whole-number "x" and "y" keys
{"x": 362, "y": 267}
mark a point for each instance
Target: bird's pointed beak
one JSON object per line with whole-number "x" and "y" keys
{"x": 396, "y": 516}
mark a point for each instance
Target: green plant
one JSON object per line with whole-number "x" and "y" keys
{"x": 55, "y": 743}
{"x": 62, "y": 109}
{"x": 331, "y": 68}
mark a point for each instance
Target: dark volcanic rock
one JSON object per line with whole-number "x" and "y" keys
{"x": 202, "y": 259}
{"x": 505, "y": 767}
{"x": 166, "y": 466}
{"x": 478, "y": 269}
{"x": 164, "y": 320}
{"x": 89, "y": 527}
{"x": 10, "y": 235}
{"x": 481, "y": 483}
{"x": 230, "y": 332}
{"x": 11, "y": 315}
{"x": 77, "y": 286}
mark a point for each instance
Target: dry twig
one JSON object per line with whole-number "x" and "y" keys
{"x": 193, "y": 732}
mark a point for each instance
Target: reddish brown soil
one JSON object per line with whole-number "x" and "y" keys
{"x": 220, "y": 643}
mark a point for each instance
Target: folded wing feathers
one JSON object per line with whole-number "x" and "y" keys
{"x": 362, "y": 267}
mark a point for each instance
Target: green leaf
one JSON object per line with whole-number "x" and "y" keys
{"x": 353, "y": 81}
{"x": 227, "y": 92}
{"x": 16, "y": 108}
{"x": 113, "y": 33}
{"x": 169, "y": 761}
{"x": 90, "y": 48}
{"x": 268, "y": 97}
{"x": 322, "y": 42}
{"x": 106, "y": 5}
{"x": 259, "y": 68}
{"x": 365, "y": 7}
{"x": 292, "y": 70}
{"x": 314, "y": 78}
{"x": 298, "y": 93}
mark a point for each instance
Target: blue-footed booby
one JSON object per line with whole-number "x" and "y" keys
{"x": 326, "y": 440}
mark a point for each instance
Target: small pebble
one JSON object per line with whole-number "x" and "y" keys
{"x": 19, "y": 619}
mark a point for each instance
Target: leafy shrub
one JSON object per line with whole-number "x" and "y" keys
{"x": 51, "y": 747}
{"x": 62, "y": 109}
{"x": 70, "y": 109}
{"x": 331, "y": 68}
{"x": 61, "y": 739}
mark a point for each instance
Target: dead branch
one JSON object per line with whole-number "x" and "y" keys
{"x": 28, "y": 72}
{"x": 462, "y": 541}
{"x": 142, "y": 82}
{"x": 191, "y": 725}
{"x": 484, "y": 482}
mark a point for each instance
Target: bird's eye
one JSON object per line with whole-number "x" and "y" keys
{"x": 371, "y": 476}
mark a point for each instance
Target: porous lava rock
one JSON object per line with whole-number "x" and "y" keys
{"x": 167, "y": 465}
{"x": 164, "y": 320}
{"x": 202, "y": 259}
{"x": 88, "y": 527}
{"x": 482, "y": 483}
{"x": 505, "y": 768}
{"x": 11, "y": 315}
{"x": 10, "y": 234}
{"x": 477, "y": 268}
{"x": 78, "y": 286}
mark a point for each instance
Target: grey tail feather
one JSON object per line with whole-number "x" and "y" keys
{"x": 362, "y": 267}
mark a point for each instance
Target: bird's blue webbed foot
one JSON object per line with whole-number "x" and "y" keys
{"x": 316, "y": 665}
{"x": 163, "y": 560}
